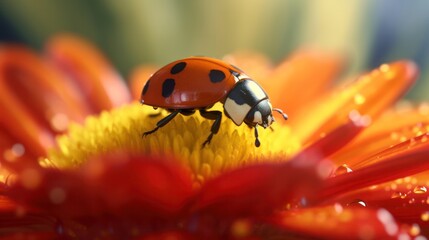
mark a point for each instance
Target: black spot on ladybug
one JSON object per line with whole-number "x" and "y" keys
{"x": 146, "y": 87}
{"x": 168, "y": 87}
{"x": 178, "y": 68}
{"x": 216, "y": 76}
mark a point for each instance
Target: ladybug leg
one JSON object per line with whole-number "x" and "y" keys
{"x": 163, "y": 121}
{"x": 257, "y": 142}
{"x": 212, "y": 115}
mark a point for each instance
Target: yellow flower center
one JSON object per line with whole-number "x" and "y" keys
{"x": 121, "y": 129}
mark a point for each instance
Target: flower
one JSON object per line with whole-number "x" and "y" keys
{"x": 346, "y": 165}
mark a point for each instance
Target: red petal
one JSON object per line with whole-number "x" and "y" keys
{"x": 118, "y": 185}
{"x": 402, "y": 160}
{"x": 30, "y": 235}
{"x": 17, "y": 219}
{"x": 362, "y": 96}
{"x": 335, "y": 140}
{"x": 171, "y": 235}
{"x": 257, "y": 189}
{"x": 336, "y": 222}
{"x": 407, "y": 201}
{"x": 382, "y": 134}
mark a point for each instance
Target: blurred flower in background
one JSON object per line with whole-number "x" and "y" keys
{"x": 131, "y": 32}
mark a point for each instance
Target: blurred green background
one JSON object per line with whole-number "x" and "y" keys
{"x": 132, "y": 32}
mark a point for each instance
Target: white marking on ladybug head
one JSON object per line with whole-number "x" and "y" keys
{"x": 235, "y": 111}
{"x": 256, "y": 90}
{"x": 257, "y": 118}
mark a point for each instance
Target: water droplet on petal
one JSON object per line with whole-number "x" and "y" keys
{"x": 357, "y": 203}
{"x": 415, "y": 230}
{"x": 425, "y": 216}
{"x": 338, "y": 208}
{"x": 342, "y": 170}
{"x": 420, "y": 190}
{"x": 399, "y": 195}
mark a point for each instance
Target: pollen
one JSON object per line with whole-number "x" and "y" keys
{"x": 122, "y": 130}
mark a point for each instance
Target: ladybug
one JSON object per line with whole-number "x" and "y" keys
{"x": 197, "y": 83}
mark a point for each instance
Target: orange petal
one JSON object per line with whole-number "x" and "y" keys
{"x": 14, "y": 154}
{"x": 301, "y": 79}
{"x": 138, "y": 78}
{"x": 336, "y": 222}
{"x": 91, "y": 72}
{"x": 25, "y": 87}
{"x": 255, "y": 65}
{"x": 392, "y": 128}
{"x": 402, "y": 160}
{"x": 370, "y": 95}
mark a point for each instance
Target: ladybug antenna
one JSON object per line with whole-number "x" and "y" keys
{"x": 281, "y": 112}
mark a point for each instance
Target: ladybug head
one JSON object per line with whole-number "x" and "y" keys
{"x": 247, "y": 102}
{"x": 261, "y": 114}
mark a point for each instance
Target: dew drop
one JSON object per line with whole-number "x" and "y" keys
{"x": 425, "y": 216}
{"x": 342, "y": 170}
{"x": 420, "y": 190}
{"x": 357, "y": 203}
{"x": 338, "y": 208}
{"x": 415, "y": 230}
{"x": 399, "y": 195}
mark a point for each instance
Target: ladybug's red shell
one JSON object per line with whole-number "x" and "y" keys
{"x": 195, "y": 82}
